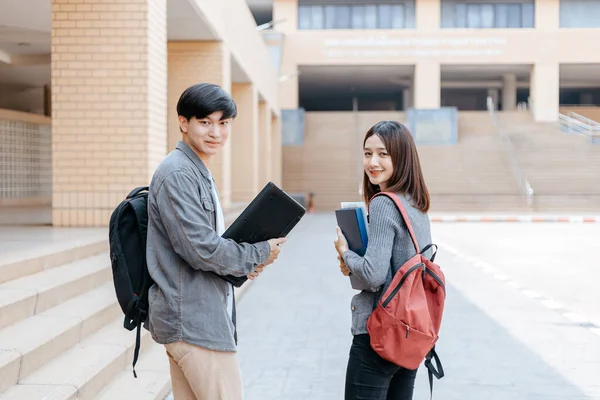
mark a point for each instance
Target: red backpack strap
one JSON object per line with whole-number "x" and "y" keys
{"x": 404, "y": 214}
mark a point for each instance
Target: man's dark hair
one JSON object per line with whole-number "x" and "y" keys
{"x": 204, "y": 99}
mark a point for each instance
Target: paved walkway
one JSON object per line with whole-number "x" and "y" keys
{"x": 496, "y": 343}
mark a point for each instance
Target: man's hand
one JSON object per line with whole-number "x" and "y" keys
{"x": 274, "y": 243}
{"x": 256, "y": 272}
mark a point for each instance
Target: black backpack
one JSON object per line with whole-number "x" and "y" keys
{"x": 127, "y": 238}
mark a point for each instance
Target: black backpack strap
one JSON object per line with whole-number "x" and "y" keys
{"x": 429, "y": 246}
{"x": 136, "y": 351}
{"x": 142, "y": 314}
{"x": 143, "y": 231}
{"x": 431, "y": 370}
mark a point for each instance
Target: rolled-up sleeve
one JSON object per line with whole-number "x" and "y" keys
{"x": 188, "y": 227}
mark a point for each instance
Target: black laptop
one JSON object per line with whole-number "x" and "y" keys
{"x": 272, "y": 214}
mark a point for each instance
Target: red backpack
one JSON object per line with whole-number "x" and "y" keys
{"x": 405, "y": 324}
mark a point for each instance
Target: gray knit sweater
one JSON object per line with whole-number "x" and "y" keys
{"x": 390, "y": 246}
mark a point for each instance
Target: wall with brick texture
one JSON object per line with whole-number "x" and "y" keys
{"x": 192, "y": 62}
{"x": 245, "y": 141}
{"x": 109, "y": 104}
{"x": 265, "y": 151}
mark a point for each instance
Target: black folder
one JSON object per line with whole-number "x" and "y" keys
{"x": 272, "y": 214}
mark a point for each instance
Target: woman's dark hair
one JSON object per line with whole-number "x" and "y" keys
{"x": 407, "y": 177}
{"x": 204, "y": 99}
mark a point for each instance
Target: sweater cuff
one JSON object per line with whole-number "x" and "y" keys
{"x": 347, "y": 257}
{"x": 264, "y": 251}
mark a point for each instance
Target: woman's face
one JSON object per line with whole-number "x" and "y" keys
{"x": 377, "y": 162}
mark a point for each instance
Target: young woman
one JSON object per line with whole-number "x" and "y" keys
{"x": 391, "y": 164}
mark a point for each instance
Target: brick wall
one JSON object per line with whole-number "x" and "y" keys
{"x": 265, "y": 151}
{"x": 245, "y": 142}
{"x": 191, "y": 63}
{"x": 108, "y": 60}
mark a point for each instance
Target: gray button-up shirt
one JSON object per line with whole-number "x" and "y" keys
{"x": 185, "y": 256}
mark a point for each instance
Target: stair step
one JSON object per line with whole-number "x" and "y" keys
{"x": 41, "y": 392}
{"x": 153, "y": 381}
{"x": 88, "y": 367}
{"x": 33, "y": 294}
{"x": 40, "y": 338}
{"x": 33, "y": 260}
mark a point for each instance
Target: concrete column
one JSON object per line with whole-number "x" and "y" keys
{"x": 407, "y": 98}
{"x": 245, "y": 143}
{"x": 285, "y": 11}
{"x": 288, "y": 86}
{"x": 277, "y": 151}
{"x": 265, "y": 154}
{"x": 193, "y": 62}
{"x": 544, "y": 91}
{"x": 428, "y": 15}
{"x": 109, "y": 92}
{"x": 427, "y": 85}
{"x": 509, "y": 93}
{"x": 547, "y": 15}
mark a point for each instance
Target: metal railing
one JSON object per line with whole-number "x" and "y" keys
{"x": 509, "y": 148}
{"x": 574, "y": 123}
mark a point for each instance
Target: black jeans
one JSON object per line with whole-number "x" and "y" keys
{"x": 370, "y": 377}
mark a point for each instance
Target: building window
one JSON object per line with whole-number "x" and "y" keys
{"x": 488, "y": 15}
{"x": 359, "y": 16}
{"x": 579, "y": 13}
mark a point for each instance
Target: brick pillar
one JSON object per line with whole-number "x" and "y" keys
{"x": 245, "y": 143}
{"x": 265, "y": 154}
{"x": 108, "y": 104}
{"x": 277, "y": 151}
{"x": 200, "y": 62}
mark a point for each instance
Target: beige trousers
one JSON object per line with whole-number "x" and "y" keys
{"x": 202, "y": 374}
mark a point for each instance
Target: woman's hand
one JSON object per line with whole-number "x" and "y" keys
{"x": 341, "y": 244}
{"x": 343, "y": 267}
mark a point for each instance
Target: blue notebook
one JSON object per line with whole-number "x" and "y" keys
{"x": 352, "y": 222}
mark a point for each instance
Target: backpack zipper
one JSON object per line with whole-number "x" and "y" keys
{"x": 437, "y": 278}
{"x": 397, "y": 288}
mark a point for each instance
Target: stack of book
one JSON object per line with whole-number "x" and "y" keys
{"x": 352, "y": 219}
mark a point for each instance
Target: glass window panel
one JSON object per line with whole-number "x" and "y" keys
{"x": 487, "y": 16}
{"x": 342, "y": 17}
{"x": 371, "y": 17}
{"x": 460, "y": 16}
{"x": 318, "y": 18}
{"x": 385, "y": 16}
{"x": 358, "y": 17}
{"x": 501, "y": 17}
{"x": 329, "y": 17}
{"x": 514, "y": 15}
{"x": 304, "y": 17}
{"x": 528, "y": 16}
{"x": 474, "y": 16}
{"x": 398, "y": 17}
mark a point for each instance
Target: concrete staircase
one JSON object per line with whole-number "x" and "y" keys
{"x": 473, "y": 175}
{"x": 563, "y": 169}
{"x": 61, "y": 332}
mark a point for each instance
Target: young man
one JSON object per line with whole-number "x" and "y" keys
{"x": 192, "y": 309}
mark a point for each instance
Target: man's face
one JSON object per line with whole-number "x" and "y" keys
{"x": 206, "y": 135}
